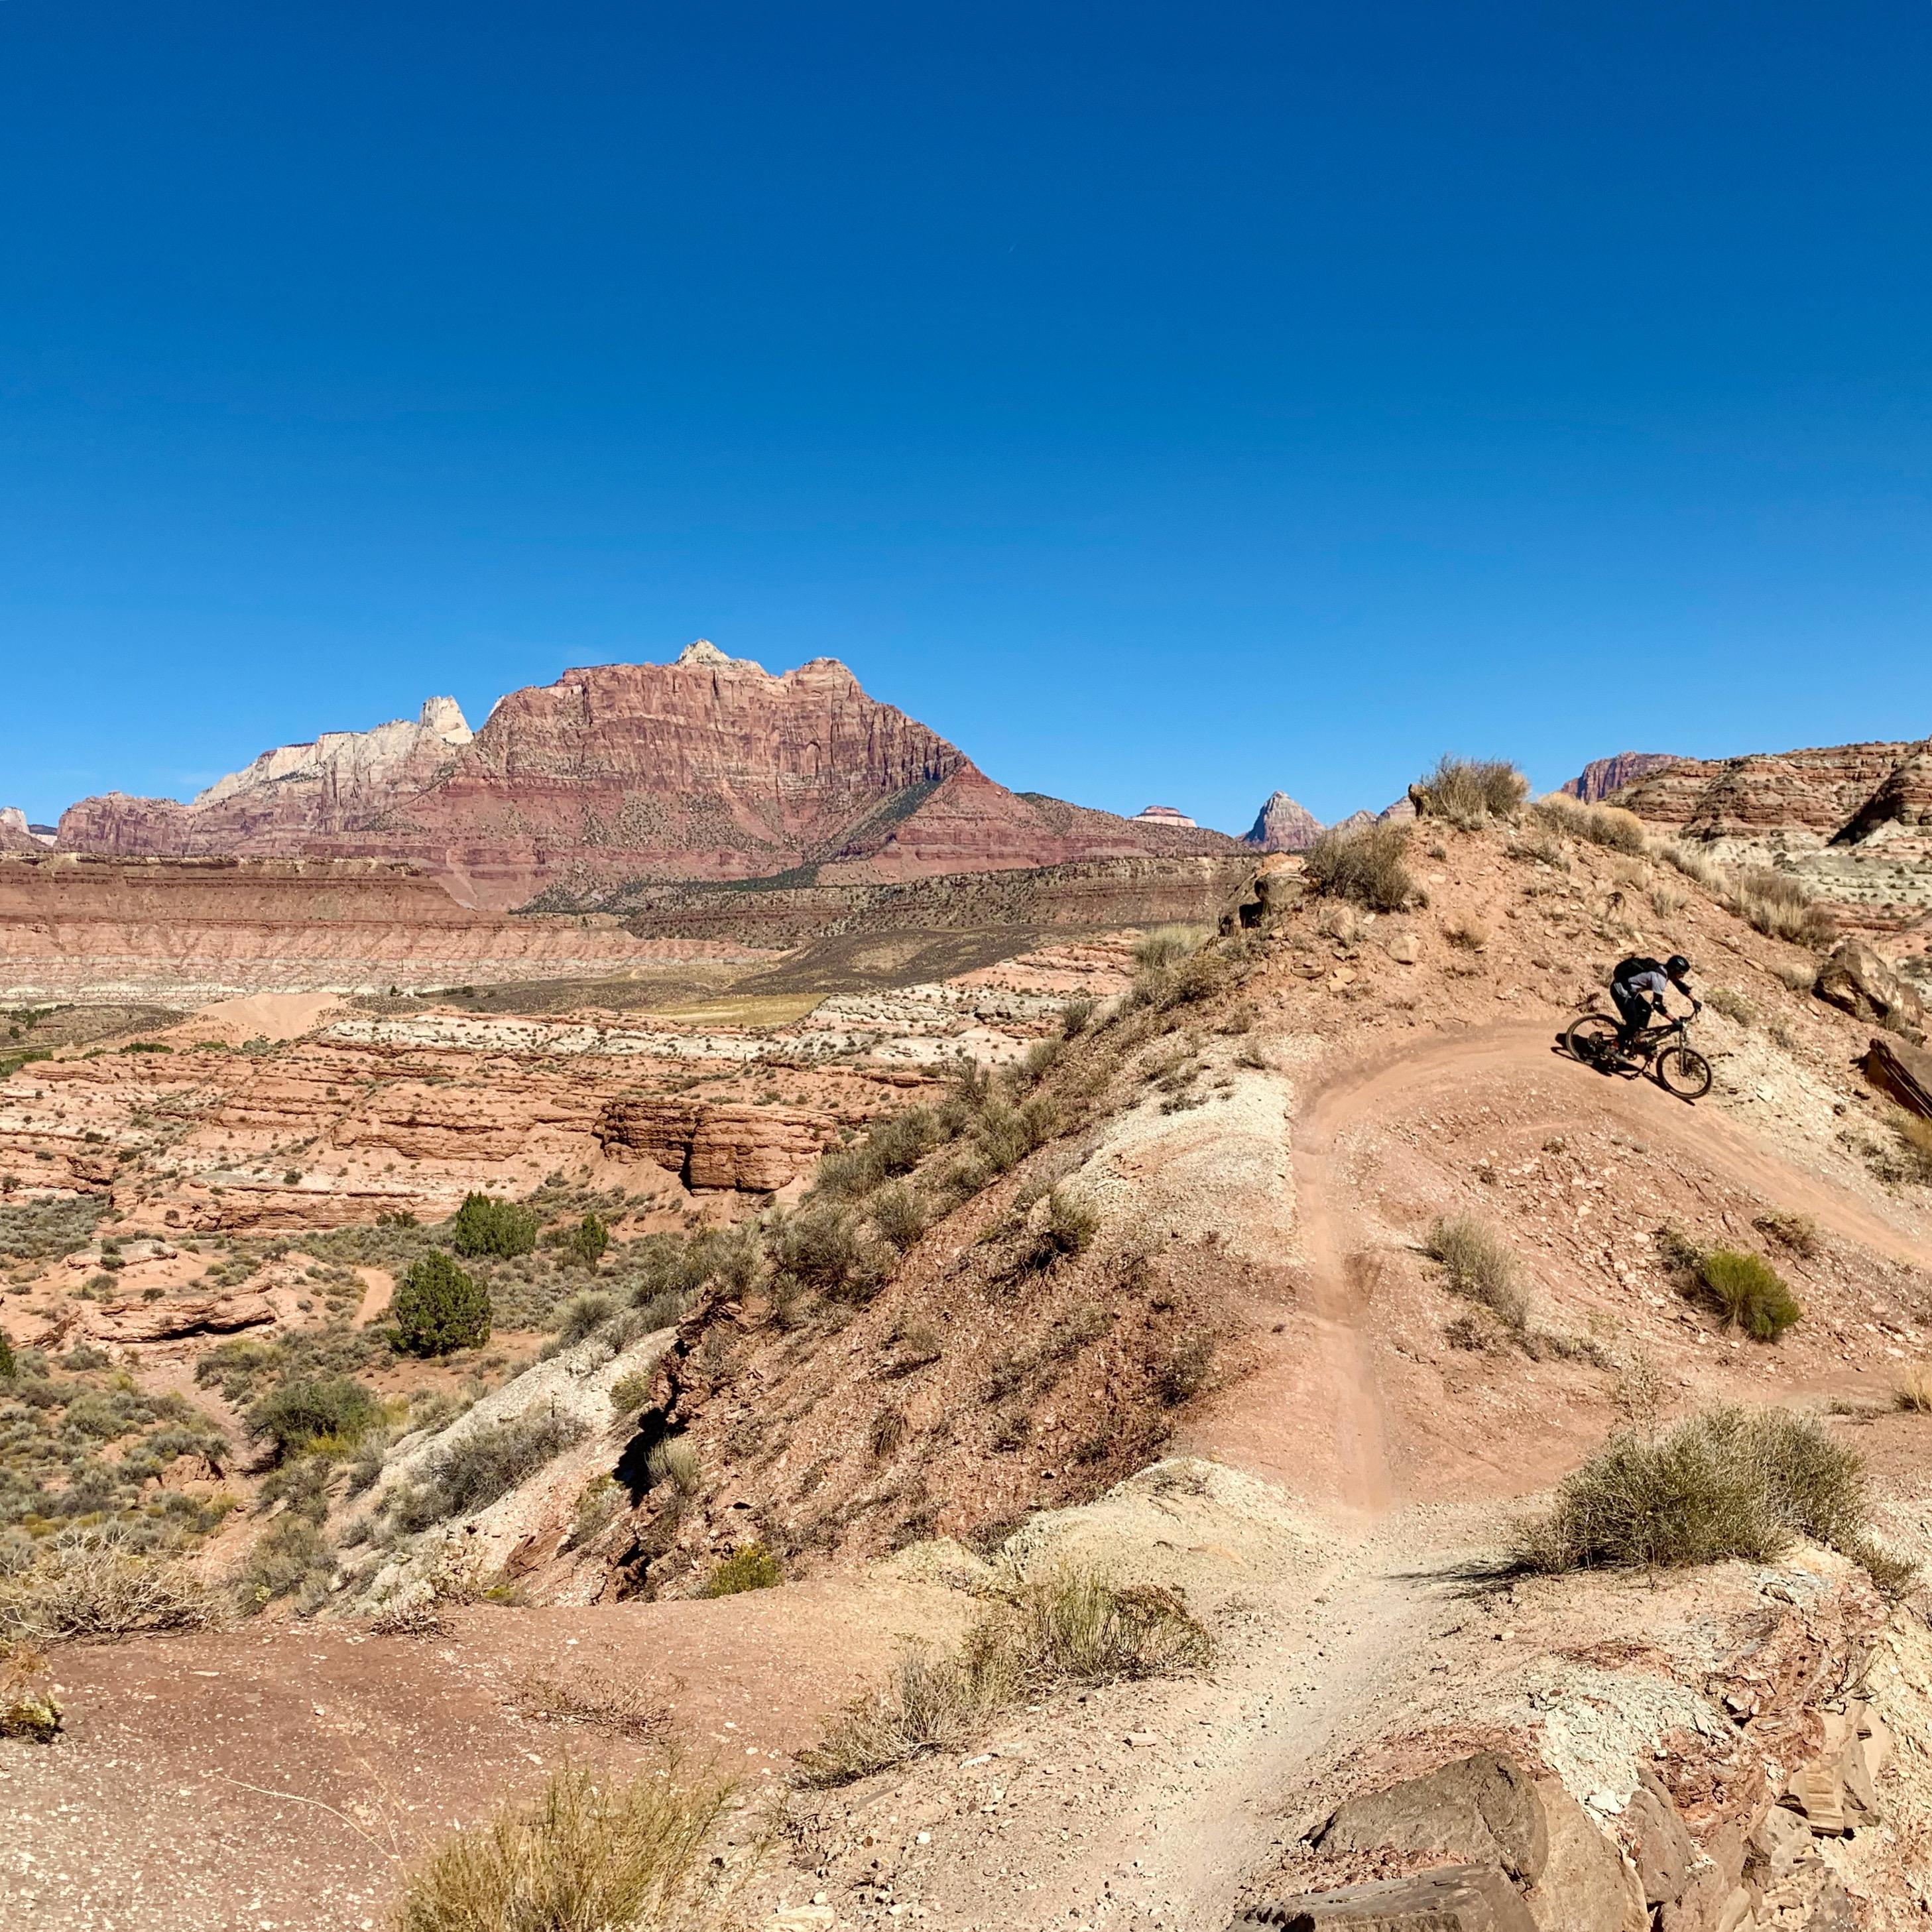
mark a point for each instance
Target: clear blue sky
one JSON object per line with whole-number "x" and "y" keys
{"x": 1166, "y": 403}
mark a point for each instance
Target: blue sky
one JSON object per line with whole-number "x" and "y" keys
{"x": 1164, "y": 403}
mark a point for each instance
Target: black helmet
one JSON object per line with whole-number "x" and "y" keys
{"x": 1677, "y": 965}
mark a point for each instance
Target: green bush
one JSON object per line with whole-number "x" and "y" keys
{"x": 440, "y": 1307}
{"x": 1729, "y": 1482}
{"x": 9, "y": 1366}
{"x": 1368, "y": 866}
{"x": 484, "y": 1225}
{"x": 753, "y": 1568}
{"x": 1749, "y": 1293}
{"x": 584, "y": 1314}
{"x": 333, "y": 1412}
{"x": 291, "y": 1557}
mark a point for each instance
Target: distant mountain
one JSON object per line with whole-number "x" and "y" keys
{"x": 1282, "y": 826}
{"x": 1598, "y": 779}
{"x": 709, "y": 768}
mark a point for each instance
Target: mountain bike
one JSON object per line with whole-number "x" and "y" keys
{"x": 1679, "y": 1067}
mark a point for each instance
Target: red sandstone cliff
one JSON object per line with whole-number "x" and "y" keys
{"x": 709, "y": 768}
{"x": 1601, "y": 776}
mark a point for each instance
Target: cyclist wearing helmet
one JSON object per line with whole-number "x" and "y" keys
{"x": 1638, "y": 985}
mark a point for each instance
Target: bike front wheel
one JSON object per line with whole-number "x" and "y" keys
{"x": 1685, "y": 1072}
{"x": 1592, "y": 1039}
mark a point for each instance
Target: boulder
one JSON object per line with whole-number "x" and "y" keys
{"x": 756, "y": 1149}
{"x": 1588, "y": 1885}
{"x": 1660, "y": 1848}
{"x": 1451, "y": 1898}
{"x": 1483, "y": 1809}
{"x": 1778, "y": 1843}
{"x": 1857, "y": 981}
{"x": 1902, "y": 1072}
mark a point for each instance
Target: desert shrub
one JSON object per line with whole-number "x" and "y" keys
{"x": 1748, "y": 1292}
{"x": 829, "y": 1250}
{"x": 1469, "y": 792}
{"x": 1165, "y": 946}
{"x": 753, "y": 1568}
{"x": 440, "y": 1307}
{"x": 1478, "y": 1265}
{"x": 97, "y": 1582}
{"x": 1695, "y": 865}
{"x": 1069, "y": 1226}
{"x": 328, "y": 1414}
{"x": 1078, "y": 1627}
{"x": 487, "y": 1463}
{"x": 10, "y": 1366}
{"x": 1607, "y": 825}
{"x": 1732, "y": 1005}
{"x": 1781, "y": 907}
{"x": 1368, "y": 866}
{"x": 583, "y": 1315}
{"x": 1914, "y": 1393}
{"x": 1914, "y": 1158}
{"x": 1075, "y": 1015}
{"x": 593, "y": 1850}
{"x": 33, "y": 1231}
{"x": 1466, "y": 932}
{"x": 674, "y": 1463}
{"x": 1038, "y": 1060}
{"x": 629, "y": 1393}
{"x": 887, "y": 1430}
{"x": 599, "y": 1503}
{"x": 1074, "y": 1627}
{"x": 485, "y": 1226}
{"x": 1798, "y": 1232}
{"x": 899, "y": 1214}
{"x": 1729, "y": 1482}
{"x": 1180, "y": 1376}
{"x": 291, "y": 1557}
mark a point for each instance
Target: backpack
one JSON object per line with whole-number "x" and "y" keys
{"x": 1625, "y": 971}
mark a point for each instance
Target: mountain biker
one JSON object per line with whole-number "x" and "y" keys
{"x": 1638, "y": 985}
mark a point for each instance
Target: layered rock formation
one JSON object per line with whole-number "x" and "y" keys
{"x": 188, "y": 931}
{"x": 709, "y": 768}
{"x": 1853, "y": 821}
{"x": 1601, "y": 776}
{"x": 1282, "y": 826}
{"x": 14, "y": 836}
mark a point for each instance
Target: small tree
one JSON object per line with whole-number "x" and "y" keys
{"x": 589, "y": 1239}
{"x": 332, "y": 1410}
{"x": 484, "y": 1225}
{"x": 440, "y": 1307}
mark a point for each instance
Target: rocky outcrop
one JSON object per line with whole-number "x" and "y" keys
{"x": 1282, "y": 826}
{"x": 14, "y": 836}
{"x": 1162, "y": 814}
{"x": 754, "y": 1150}
{"x": 169, "y": 1320}
{"x": 1601, "y": 776}
{"x": 1852, "y": 822}
{"x": 1449, "y": 1898}
{"x": 1856, "y": 981}
{"x": 708, "y": 768}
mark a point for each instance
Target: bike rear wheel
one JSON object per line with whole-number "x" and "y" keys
{"x": 1683, "y": 1071}
{"x": 1592, "y": 1039}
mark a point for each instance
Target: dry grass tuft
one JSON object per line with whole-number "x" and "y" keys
{"x": 1914, "y": 1393}
{"x": 1469, "y": 792}
{"x": 1606, "y": 825}
{"x": 96, "y": 1582}
{"x": 589, "y": 1853}
{"x": 1466, "y": 932}
{"x": 1729, "y": 1482}
{"x": 1781, "y": 907}
{"x": 1075, "y": 1627}
{"x": 598, "y": 1701}
{"x": 1477, "y": 1264}
{"x": 1798, "y": 1232}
